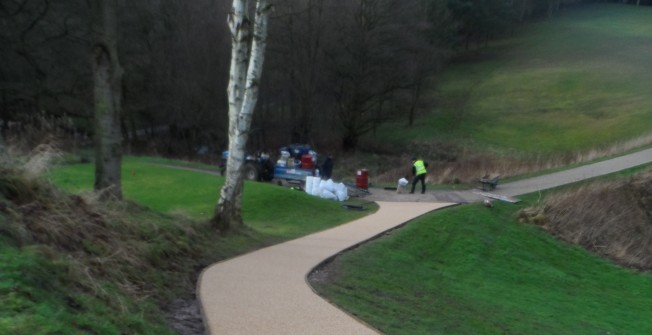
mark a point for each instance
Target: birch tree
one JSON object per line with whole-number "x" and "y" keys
{"x": 247, "y": 57}
{"x": 107, "y": 74}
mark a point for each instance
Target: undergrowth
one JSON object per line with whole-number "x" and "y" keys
{"x": 117, "y": 267}
{"x": 73, "y": 265}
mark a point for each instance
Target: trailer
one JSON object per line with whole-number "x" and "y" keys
{"x": 295, "y": 163}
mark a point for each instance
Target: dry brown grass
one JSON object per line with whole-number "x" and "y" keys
{"x": 464, "y": 169}
{"x": 452, "y": 164}
{"x": 612, "y": 219}
{"x": 110, "y": 241}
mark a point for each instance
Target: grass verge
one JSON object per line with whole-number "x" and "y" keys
{"x": 473, "y": 270}
{"x": 71, "y": 265}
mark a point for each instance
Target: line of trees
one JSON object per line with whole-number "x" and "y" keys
{"x": 335, "y": 70}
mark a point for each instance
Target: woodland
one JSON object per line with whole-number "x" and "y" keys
{"x": 334, "y": 70}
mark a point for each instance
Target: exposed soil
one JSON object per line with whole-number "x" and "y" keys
{"x": 185, "y": 317}
{"x": 326, "y": 272}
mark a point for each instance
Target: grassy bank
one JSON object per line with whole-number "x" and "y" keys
{"x": 474, "y": 270}
{"x": 268, "y": 209}
{"x": 72, "y": 265}
{"x": 570, "y": 84}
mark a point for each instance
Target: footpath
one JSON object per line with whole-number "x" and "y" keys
{"x": 266, "y": 291}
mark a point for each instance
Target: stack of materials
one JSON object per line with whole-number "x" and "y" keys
{"x": 326, "y": 189}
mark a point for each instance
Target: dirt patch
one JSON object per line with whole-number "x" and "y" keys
{"x": 326, "y": 272}
{"x": 185, "y": 317}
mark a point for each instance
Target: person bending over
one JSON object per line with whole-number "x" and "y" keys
{"x": 419, "y": 171}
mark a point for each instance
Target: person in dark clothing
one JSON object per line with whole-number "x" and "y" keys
{"x": 327, "y": 168}
{"x": 419, "y": 171}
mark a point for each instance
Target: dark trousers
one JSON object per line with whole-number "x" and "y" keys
{"x": 421, "y": 177}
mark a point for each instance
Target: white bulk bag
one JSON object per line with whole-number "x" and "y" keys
{"x": 341, "y": 192}
{"x": 328, "y": 195}
{"x": 309, "y": 181}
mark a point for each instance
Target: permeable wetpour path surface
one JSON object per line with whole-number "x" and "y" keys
{"x": 266, "y": 291}
{"x": 573, "y": 175}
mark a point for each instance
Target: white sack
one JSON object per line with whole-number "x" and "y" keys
{"x": 341, "y": 192}
{"x": 315, "y": 186}
{"x": 309, "y": 181}
{"x": 328, "y": 195}
{"x": 330, "y": 186}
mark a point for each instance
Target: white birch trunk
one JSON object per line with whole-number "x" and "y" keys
{"x": 245, "y": 73}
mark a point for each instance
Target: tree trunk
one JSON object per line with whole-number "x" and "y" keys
{"x": 350, "y": 140}
{"x": 416, "y": 93}
{"x": 523, "y": 8}
{"x": 245, "y": 73}
{"x": 551, "y": 8}
{"x": 4, "y": 117}
{"x": 107, "y": 75}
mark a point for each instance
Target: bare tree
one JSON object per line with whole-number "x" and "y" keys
{"x": 246, "y": 70}
{"x": 107, "y": 75}
{"x": 377, "y": 60}
{"x": 37, "y": 78}
{"x": 298, "y": 52}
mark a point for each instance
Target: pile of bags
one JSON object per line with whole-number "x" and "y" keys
{"x": 326, "y": 189}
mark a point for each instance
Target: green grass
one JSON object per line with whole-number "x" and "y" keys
{"x": 573, "y": 83}
{"x": 267, "y": 208}
{"x": 39, "y": 296}
{"x": 73, "y": 267}
{"x": 472, "y": 270}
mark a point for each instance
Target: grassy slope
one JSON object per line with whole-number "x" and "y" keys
{"x": 58, "y": 289}
{"x": 576, "y": 82}
{"x": 267, "y": 208}
{"x": 38, "y": 296}
{"x": 470, "y": 270}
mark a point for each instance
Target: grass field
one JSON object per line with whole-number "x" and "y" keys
{"x": 574, "y": 83}
{"x": 471, "y": 270}
{"x": 267, "y": 208}
{"x": 74, "y": 266}
{"x": 577, "y": 82}
{"x": 38, "y": 295}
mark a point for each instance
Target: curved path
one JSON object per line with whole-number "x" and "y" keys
{"x": 265, "y": 292}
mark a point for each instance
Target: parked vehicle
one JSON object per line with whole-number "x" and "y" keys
{"x": 295, "y": 162}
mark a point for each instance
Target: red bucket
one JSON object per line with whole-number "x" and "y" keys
{"x": 362, "y": 179}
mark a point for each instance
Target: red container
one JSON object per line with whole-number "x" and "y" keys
{"x": 306, "y": 162}
{"x": 362, "y": 179}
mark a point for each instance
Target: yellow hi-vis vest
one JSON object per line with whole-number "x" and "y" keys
{"x": 419, "y": 167}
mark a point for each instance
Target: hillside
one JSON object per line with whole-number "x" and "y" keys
{"x": 559, "y": 91}
{"x": 75, "y": 265}
{"x": 475, "y": 270}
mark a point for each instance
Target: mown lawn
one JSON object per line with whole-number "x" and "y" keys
{"x": 472, "y": 270}
{"x": 267, "y": 208}
{"x": 577, "y": 82}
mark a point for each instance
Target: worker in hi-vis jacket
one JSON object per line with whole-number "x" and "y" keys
{"x": 419, "y": 171}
